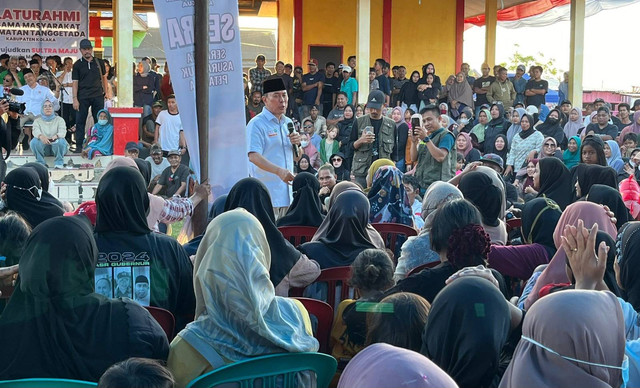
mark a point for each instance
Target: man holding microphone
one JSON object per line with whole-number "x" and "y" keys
{"x": 273, "y": 148}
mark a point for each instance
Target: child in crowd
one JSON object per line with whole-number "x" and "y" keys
{"x": 371, "y": 274}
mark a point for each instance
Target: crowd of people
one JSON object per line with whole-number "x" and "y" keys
{"x": 474, "y": 299}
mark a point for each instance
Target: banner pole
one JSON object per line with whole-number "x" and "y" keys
{"x": 201, "y": 59}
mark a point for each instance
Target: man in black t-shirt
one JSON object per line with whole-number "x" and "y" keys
{"x": 173, "y": 181}
{"x": 536, "y": 88}
{"x": 89, "y": 84}
{"x": 329, "y": 88}
{"x": 481, "y": 87}
{"x": 602, "y": 128}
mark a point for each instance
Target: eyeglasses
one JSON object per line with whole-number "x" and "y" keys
{"x": 549, "y": 145}
{"x": 308, "y": 126}
{"x": 336, "y": 160}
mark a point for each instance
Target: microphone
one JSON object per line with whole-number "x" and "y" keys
{"x": 292, "y": 130}
{"x": 16, "y": 91}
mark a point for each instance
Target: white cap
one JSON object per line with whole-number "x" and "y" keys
{"x": 346, "y": 68}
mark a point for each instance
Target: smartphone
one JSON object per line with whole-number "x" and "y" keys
{"x": 368, "y": 129}
{"x": 416, "y": 123}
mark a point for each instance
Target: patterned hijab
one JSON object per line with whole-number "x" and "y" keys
{"x": 388, "y": 198}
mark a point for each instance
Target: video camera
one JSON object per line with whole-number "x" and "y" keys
{"x": 14, "y": 106}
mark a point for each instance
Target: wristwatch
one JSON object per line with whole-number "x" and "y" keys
{"x": 426, "y": 139}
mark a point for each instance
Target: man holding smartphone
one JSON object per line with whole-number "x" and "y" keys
{"x": 433, "y": 148}
{"x": 373, "y": 137}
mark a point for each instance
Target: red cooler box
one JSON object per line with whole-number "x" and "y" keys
{"x": 126, "y": 127}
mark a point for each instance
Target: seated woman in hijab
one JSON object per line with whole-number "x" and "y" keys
{"x": 605, "y": 195}
{"x": 339, "y": 163}
{"x": 43, "y": 174}
{"x": 304, "y": 165}
{"x": 613, "y": 155}
{"x": 346, "y": 235}
{"x": 101, "y": 137}
{"x": 290, "y": 268}
{"x": 584, "y": 176}
{"x": 478, "y": 131}
{"x": 238, "y": 315}
{"x": 416, "y": 251}
{"x": 539, "y": 218}
{"x": 56, "y": 326}
{"x": 460, "y": 95}
{"x": 129, "y": 250}
{"x": 587, "y": 212}
{"x": 384, "y": 365}
{"x": 481, "y": 191}
{"x": 552, "y": 180}
{"x": 388, "y": 198}
{"x": 25, "y": 196}
{"x": 592, "y": 151}
{"x": 551, "y": 127}
{"x": 498, "y": 125}
{"x": 373, "y": 169}
{"x": 460, "y": 339}
{"x": 571, "y": 156}
{"x": 323, "y": 229}
{"x": 565, "y": 345}
{"x": 630, "y": 191}
{"x": 459, "y": 239}
{"x": 306, "y": 208}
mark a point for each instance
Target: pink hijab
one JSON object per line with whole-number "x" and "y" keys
{"x": 590, "y": 213}
{"x": 384, "y": 365}
{"x": 469, "y": 146}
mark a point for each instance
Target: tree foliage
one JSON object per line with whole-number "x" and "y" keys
{"x": 517, "y": 58}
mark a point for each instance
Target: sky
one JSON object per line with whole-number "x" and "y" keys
{"x": 610, "y": 58}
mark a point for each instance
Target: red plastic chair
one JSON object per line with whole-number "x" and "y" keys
{"x": 165, "y": 319}
{"x": 421, "y": 267}
{"x": 390, "y": 233}
{"x": 297, "y": 235}
{"x": 513, "y": 223}
{"x": 324, "y": 313}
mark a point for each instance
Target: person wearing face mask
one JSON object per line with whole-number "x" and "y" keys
{"x": 101, "y": 142}
{"x": 551, "y": 127}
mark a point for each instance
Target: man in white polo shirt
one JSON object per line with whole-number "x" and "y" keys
{"x": 270, "y": 146}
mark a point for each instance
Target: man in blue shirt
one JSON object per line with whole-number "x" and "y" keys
{"x": 349, "y": 85}
{"x": 270, "y": 146}
{"x": 312, "y": 83}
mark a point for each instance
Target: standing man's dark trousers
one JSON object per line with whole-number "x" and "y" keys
{"x": 96, "y": 103}
{"x": 69, "y": 116}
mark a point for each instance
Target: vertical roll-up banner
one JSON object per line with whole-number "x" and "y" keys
{"x": 227, "y": 157}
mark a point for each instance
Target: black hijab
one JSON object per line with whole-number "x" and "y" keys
{"x": 346, "y": 234}
{"x": 555, "y": 182}
{"x": 55, "y": 325}
{"x": 539, "y": 219}
{"x": 25, "y": 196}
{"x": 122, "y": 202}
{"x": 309, "y": 169}
{"x": 409, "y": 91}
{"x": 494, "y": 128}
{"x": 467, "y": 327}
{"x": 588, "y": 175}
{"x": 145, "y": 169}
{"x": 306, "y": 208}
{"x": 43, "y": 174}
{"x": 252, "y": 195}
{"x": 628, "y": 256}
{"x": 551, "y": 127}
{"x": 605, "y": 195}
{"x": 505, "y": 150}
{"x": 525, "y": 134}
{"x": 342, "y": 173}
{"x": 609, "y": 273}
{"x": 478, "y": 188}
{"x": 597, "y": 144}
